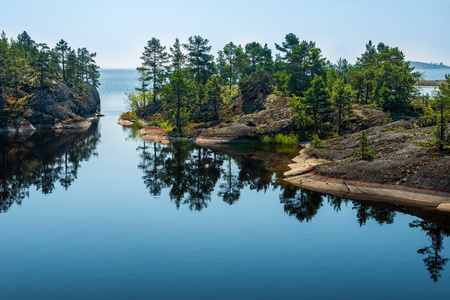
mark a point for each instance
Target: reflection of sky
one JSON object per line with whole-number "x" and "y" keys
{"x": 427, "y": 90}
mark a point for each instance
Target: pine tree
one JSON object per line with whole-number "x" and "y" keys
{"x": 17, "y": 68}
{"x": 363, "y": 151}
{"x": 341, "y": 97}
{"x": 230, "y": 54}
{"x": 43, "y": 65}
{"x": 200, "y": 61}
{"x": 4, "y": 70}
{"x": 316, "y": 101}
{"x": 62, "y": 48}
{"x": 155, "y": 59}
{"x": 143, "y": 79}
{"x": 177, "y": 89}
{"x": 255, "y": 55}
{"x": 214, "y": 91}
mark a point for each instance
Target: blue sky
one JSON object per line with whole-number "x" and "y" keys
{"x": 119, "y": 30}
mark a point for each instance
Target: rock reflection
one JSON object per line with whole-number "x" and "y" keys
{"x": 41, "y": 161}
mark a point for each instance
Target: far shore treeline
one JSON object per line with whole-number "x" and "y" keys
{"x": 194, "y": 86}
{"x": 27, "y": 68}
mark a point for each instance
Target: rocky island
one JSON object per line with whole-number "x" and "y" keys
{"x": 43, "y": 88}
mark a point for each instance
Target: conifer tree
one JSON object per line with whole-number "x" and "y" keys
{"x": 44, "y": 68}
{"x": 143, "y": 79}
{"x": 155, "y": 59}
{"x": 255, "y": 55}
{"x": 177, "y": 88}
{"x": 341, "y": 97}
{"x": 316, "y": 101}
{"x": 230, "y": 53}
{"x": 214, "y": 89}
{"x": 363, "y": 151}
{"x": 4, "y": 61}
{"x": 200, "y": 61}
{"x": 62, "y": 48}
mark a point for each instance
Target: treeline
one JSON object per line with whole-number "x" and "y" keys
{"x": 27, "y": 67}
{"x": 192, "y": 84}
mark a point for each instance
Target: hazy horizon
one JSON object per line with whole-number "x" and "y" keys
{"x": 118, "y": 32}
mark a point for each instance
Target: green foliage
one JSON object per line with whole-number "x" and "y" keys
{"x": 230, "y": 95}
{"x": 130, "y": 116}
{"x": 155, "y": 59}
{"x": 280, "y": 139}
{"x": 213, "y": 90}
{"x": 383, "y": 77}
{"x": 316, "y": 102}
{"x": 363, "y": 151}
{"x": 200, "y": 61}
{"x": 317, "y": 142}
{"x": 303, "y": 62}
{"x": 259, "y": 84}
{"x": 341, "y": 99}
{"x": 388, "y": 118}
{"x": 192, "y": 86}
{"x": 26, "y": 65}
{"x": 136, "y": 100}
{"x": 441, "y": 114}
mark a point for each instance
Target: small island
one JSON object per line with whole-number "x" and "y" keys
{"x": 43, "y": 88}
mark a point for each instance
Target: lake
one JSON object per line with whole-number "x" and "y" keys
{"x": 103, "y": 215}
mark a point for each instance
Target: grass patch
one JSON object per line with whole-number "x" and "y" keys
{"x": 280, "y": 139}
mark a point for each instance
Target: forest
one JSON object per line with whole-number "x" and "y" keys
{"x": 194, "y": 86}
{"x": 28, "y": 67}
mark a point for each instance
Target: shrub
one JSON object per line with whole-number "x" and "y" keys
{"x": 317, "y": 142}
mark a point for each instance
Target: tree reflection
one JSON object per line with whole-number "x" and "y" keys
{"x": 41, "y": 160}
{"x": 301, "y": 203}
{"x": 193, "y": 173}
{"x": 230, "y": 190}
{"x": 433, "y": 261}
{"x": 151, "y": 164}
{"x": 365, "y": 211}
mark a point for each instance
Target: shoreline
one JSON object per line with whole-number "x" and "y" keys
{"x": 302, "y": 174}
{"x": 74, "y": 126}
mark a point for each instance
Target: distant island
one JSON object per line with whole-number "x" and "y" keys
{"x": 422, "y": 65}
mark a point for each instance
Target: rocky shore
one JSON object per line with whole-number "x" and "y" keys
{"x": 402, "y": 172}
{"x": 62, "y": 107}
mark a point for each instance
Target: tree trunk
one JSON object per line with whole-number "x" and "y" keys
{"x": 2, "y": 95}
{"x": 339, "y": 119}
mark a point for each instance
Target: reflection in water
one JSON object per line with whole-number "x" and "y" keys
{"x": 41, "y": 160}
{"x": 192, "y": 174}
{"x": 433, "y": 261}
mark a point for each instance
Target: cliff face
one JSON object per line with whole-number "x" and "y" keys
{"x": 64, "y": 106}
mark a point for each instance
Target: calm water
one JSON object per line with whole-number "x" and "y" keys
{"x": 433, "y": 74}
{"x": 101, "y": 215}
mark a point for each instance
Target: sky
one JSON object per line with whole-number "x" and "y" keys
{"x": 118, "y": 30}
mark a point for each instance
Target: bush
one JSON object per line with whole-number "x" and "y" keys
{"x": 317, "y": 142}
